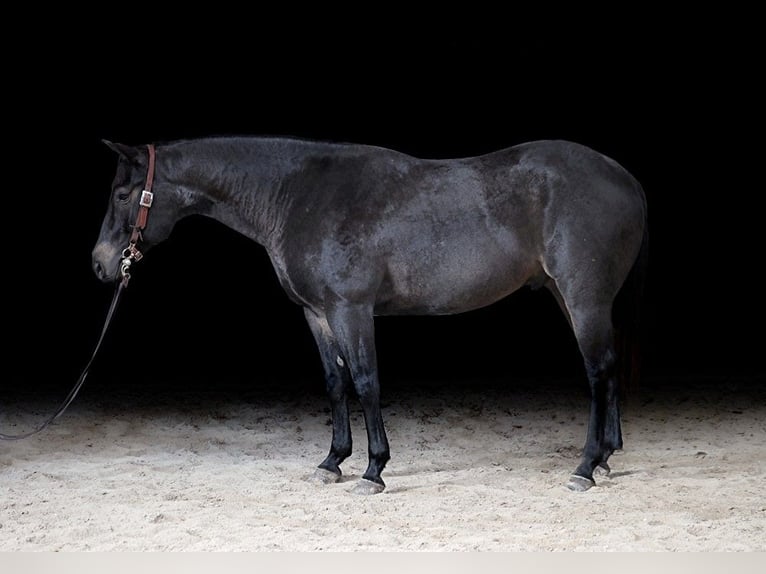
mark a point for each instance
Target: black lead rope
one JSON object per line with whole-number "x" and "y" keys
{"x": 129, "y": 255}
{"x": 73, "y": 393}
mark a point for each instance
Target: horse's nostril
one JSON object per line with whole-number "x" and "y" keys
{"x": 98, "y": 269}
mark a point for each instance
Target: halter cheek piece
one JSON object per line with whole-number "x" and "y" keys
{"x": 131, "y": 252}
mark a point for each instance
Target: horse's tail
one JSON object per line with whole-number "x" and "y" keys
{"x": 626, "y": 314}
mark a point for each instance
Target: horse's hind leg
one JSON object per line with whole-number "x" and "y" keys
{"x": 592, "y": 324}
{"x": 338, "y": 381}
{"x": 612, "y": 394}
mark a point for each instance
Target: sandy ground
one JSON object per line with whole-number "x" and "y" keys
{"x": 472, "y": 469}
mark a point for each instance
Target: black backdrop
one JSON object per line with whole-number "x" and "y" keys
{"x": 675, "y": 108}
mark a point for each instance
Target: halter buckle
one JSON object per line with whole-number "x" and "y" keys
{"x": 147, "y": 197}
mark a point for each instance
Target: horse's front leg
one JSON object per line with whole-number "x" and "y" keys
{"x": 352, "y": 326}
{"x": 338, "y": 380}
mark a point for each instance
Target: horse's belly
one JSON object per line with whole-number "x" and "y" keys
{"x": 451, "y": 281}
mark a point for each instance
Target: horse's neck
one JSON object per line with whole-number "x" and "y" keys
{"x": 240, "y": 181}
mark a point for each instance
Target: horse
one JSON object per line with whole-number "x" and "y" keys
{"x": 356, "y": 231}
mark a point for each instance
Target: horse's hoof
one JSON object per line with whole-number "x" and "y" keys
{"x": 579, "y": 483}
{"x": 603, "y": 469}
{"x": 367, "y": 487}
{"x": 324, "y": 476}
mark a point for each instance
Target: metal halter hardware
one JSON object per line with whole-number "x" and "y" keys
{"x": 131, "y": 253}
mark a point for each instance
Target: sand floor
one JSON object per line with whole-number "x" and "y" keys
{"x": 479, "y": 468}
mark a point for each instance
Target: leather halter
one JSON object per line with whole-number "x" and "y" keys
{"x": 131, "y": 252}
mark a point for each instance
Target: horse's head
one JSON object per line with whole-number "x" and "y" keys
{"x": 123, "y": 209}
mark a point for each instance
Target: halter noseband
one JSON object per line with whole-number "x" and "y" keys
{"x": 131, "y": 252}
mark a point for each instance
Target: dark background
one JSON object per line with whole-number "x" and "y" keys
{"x": 674, "y": 103}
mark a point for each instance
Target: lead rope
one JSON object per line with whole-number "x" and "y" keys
{"x": 73, "y": 393}
{"x": 129, "y": 255}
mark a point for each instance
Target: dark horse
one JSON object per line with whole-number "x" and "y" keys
{"x": 355, "y": 231}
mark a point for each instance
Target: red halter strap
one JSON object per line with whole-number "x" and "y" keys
{"x": 131, "y": 252}
{"x": 146, "y": 200}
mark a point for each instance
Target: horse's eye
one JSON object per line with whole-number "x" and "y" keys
{"x": 123, "y": 196}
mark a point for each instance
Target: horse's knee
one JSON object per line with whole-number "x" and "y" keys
{"x": 368, "y": 391}
{"x": 336, "y": 385}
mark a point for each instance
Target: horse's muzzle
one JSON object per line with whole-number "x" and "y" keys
{"x": 100, "y": 272}
{"x": 105, "y": 262}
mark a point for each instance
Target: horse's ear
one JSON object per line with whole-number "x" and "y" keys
{"x": 126, "y": 151}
